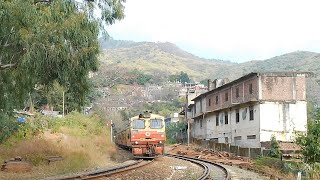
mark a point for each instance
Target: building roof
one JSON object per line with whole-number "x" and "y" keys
{"x": 252, "y": 74}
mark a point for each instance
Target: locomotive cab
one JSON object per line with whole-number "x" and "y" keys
{"x": 147, "y": 135}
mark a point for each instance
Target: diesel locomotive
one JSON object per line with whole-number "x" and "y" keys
{"x": 145, "y": 136}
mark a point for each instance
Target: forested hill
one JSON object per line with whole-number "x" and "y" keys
{"x": 164, "y": 59}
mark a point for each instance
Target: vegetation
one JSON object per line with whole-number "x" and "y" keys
{"x": 8, "y": 126}
{"x": 182, "y": 77}
{"x": 112, "y": 76}
{"x": 161, "y": 60}
{"x": 309, "y": 142}
{"x": 165, "y": 108}
{"x": 275, "y": 148}
{"x": 275, "y": 166}
{"x": 174, "y": 132}
{"x": 42, "y": 42}
{"x": 81, "y": 140}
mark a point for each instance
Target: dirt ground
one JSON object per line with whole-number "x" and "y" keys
{"x": 162, "y": 168}
{"x": 241, "y": 167}
{"x": 215, "y": 156}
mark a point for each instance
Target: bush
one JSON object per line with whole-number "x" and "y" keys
{"x": 8, "y": 126}
{"x": 275, "y": 148}
{"x": 173, "y": 130}
{"x": 309, "y": 142}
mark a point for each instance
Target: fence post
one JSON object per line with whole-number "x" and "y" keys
{"x": 238, "y": 151}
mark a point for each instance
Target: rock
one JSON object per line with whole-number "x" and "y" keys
{"x": 16, "y": 166}
{"x": 18, "y": 158}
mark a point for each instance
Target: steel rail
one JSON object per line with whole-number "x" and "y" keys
{"x": 227, "y": 173}
{"x": 105, "y": 172}
{"x": 206, "y": 172}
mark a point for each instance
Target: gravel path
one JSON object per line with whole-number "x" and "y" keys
{"x": 244, "y": 174}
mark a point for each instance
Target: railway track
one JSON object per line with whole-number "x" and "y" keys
{"x": 106, "y": 172}
{"x": 207, "y": 167}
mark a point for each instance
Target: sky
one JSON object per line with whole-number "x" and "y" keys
{"x": 235, "y": 30}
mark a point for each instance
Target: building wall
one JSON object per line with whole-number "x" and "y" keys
{"x": 245, "y": 127}
{"x": 220, "y": 133}
{"x": 198, "y": 129}
{"x": 277, "y": 102}
{"x": 283, "y": 88}
{"x": 244, "y": 95}
{"x": 282, "y": 120}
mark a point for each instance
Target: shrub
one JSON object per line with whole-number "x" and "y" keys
{"x": 275, "y": 148}
{"x": 8, "y": 126}
{"x": 309, "y": 142}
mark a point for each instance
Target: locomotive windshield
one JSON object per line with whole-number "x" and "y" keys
{"x": 156, "y": 123}
{"x": 138, "y": 124}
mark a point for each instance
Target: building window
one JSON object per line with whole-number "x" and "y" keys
{"x": 251, "y": 113}
{"x": 226, "y": 118}
{"x": 250, "y": 88}
{"x": 217, "y": 99}
{"x": 226, "y": 96}
{"x": 215, "y": 140}
{"x": 217, "y": 119}
{"x": 200, "y": 123}
{"x": 237, "y": 93}
{"x": 209, "y": 102}
{"x": 237, "y": 138}
{"x": 251, "y": 137}
{"x": 226, "y": 139}
{"x": 237, "y": 116}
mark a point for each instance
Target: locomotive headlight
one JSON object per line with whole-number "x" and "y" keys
{"x": 136, "y": 142}
{"x": 134, "y": 132}
{"x": 160, "y": 142}
{"x": 162, "y": 135}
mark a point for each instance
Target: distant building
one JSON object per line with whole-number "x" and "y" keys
{"x": 174, "y": 118}
{"x": 249, "y": 110}
{"x": 190, "y": 91}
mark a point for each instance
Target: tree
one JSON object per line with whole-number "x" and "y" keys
{"x": 275, "y": 148}
{"x": 309, "y": 142}
{"x": 47, "y": 41}
{"x": 182, "y": 77}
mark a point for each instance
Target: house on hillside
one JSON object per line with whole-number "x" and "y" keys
{"x": 190, "y": 91}
{"x": 249, "y": 110}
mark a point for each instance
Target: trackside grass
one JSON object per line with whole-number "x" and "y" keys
{"x": 82, "y": 141}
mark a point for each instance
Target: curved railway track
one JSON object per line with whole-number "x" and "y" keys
{"x": 106, "y": 172}
{"x": 206, "y": 167}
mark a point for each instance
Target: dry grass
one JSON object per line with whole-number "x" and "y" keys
{"x": 81, "y": 141}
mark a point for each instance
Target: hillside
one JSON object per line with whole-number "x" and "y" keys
{"x": 164, "y": 59}
{"x": 161, "y": 58}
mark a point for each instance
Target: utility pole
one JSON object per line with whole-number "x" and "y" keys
{"x": 186, "y": 116}
{"x": 111, "y": 132}
{"x": 188, "y": 131}
{"x": 62, "y": 103}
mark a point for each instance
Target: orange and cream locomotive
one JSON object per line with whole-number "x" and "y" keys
{"x": 145, "y": 136}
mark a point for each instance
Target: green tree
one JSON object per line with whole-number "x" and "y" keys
{"x": 204, "y": 82}
{"x": 182, "y": 77}
{"x": 47, "y": 41}
{"x": 173, "y": 130}
{"x": 275, "y": 148}
{"x": 309, "y": 142}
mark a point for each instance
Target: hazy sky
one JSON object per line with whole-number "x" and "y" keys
{"x": 236, "y": 30}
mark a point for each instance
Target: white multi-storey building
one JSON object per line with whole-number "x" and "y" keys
{"x": 251, "y": 109}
